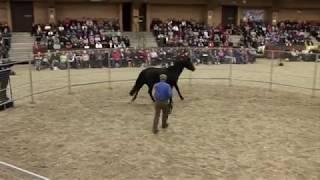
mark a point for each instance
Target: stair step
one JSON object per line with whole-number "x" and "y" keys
{"x": 21, "y": 34}
{"x": 22, "y": 40}
{"x": 22, "y": 37}
{"x": 20, "y": 48}
{"x": 21, "y": 51}
{"x": 20, "y": 57}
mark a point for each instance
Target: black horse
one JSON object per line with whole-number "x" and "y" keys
{"x": 151, "y": 76}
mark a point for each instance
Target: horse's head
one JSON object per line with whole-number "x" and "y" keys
{"x": 186, "y": 63}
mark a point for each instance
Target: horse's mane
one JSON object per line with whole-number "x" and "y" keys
{"x": 177, "y": 67}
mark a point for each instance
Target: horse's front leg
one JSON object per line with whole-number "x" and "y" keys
{"x": 178, "y": 90}
{"x": 135, "y": 96}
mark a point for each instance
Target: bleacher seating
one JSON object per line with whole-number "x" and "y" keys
{"x": 282, "y": 36}
{"x": 79, "y": 34}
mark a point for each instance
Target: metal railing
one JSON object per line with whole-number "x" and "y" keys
{"x": 30, "y": 82}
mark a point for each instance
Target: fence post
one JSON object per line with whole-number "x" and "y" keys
{"x": 10, "y": 86}
{"x": 230, "y": 72}
{"x": 314, "y": 86}
{"x": 30, "y": 79}
{"x": 69, "y": 76}
{"x": 271, "y": 71}
{"x": 144, "y": 41}
{"x": 109, "y": 69}
{"x": 190, "y": 73}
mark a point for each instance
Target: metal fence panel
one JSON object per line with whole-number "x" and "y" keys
{"x": 75, "y": 68}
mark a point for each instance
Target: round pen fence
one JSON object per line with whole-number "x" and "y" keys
{"x": 234, "y": 67}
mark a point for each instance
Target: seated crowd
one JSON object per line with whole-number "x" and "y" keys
{"x": 213, "y": 43}
{"x": 285, "y": 34}
{"x": 127, "y": 57}
{"x": 5, "y": 41}
{"x": 79, "y": 34}
{"x": 190, "y": 33}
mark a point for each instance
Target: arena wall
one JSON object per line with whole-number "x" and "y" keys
{"x": 80, "y": 10}
{"x": 199, "y": 10}
{"x": 267, "y": 12}
{"x": 248, "y": 3}
{"x": 299, "y": 4}
{"x": 164, "y": 12}
{"x": 216, "y": 16}
{"x": 178, "y": 2}
{"x": 3, "y": 12}
{"x": 299, "y": 14}
{"x": 40, "y": 12}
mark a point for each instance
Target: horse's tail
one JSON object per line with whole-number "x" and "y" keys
{"x": 139, "y": 83}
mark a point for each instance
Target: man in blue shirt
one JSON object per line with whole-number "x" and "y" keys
{"x": 163, "y": 93}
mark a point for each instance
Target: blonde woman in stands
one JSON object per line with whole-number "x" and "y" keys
{"x": 37, "y": 61}
{"x": 98, "y": 45}
{"x": 85, "y": 59}
{"x": 63, "y": 61}
{"x": 122, "y": 44}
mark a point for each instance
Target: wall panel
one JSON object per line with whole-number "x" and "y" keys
{"x": 301, "y": 14}
{"x": 40, "y": 12}
{"x": 216, "y": 16}
{"x": 80, "y": 10}
{"x": 164, "y": 12}
{"x": 3, "y": 12}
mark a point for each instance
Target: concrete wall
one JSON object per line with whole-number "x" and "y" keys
{"x": 3, "y": 12}
{"x": 164, "y": 12}
{"x": 267, "y": 17}
{"x": 164, "y": 9}
{"x": 76, "y": 11}
{"x": 216, "y": 16}
{"x": 302, "y": 4}
{"x": 287, "y": 14}
{"x": 248, "y": 3}
{"x": 299, "y": 14}
{"x": 178, "y": 2}
{"x": 40, "y": 12}
{"x": 80, "y": 10}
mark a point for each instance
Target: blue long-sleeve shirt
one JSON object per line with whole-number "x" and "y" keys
{"x": 163, "y": 91}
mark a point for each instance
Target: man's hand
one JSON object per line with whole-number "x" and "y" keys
{"x": 170, "y": 108}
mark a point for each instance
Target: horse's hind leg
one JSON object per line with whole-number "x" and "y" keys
{"x": 150, "y": 93}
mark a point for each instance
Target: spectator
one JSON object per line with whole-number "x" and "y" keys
{"x": 116, "y": 58}
{"x": 63, "y": 61}
{"x": 38, "y": 61}
{"x": 85, "y": 60}
{"x": 5, "y": 41}
{"x": 87, "y": 33}
{"x": 54, "y": 61}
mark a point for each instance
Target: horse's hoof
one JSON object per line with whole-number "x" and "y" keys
{"x": 182, "y": 98}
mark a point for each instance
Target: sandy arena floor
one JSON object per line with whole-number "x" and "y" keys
{"x": 219, "y": 132}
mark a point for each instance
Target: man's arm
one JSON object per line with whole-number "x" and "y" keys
{"x": 154, "y": 89}
{"x": 170, "y": 99}
{"x": 169, "y": 91}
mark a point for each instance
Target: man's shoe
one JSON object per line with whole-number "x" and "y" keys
{"x": 155, "y": 131}
{"x": 164, "y": 126}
